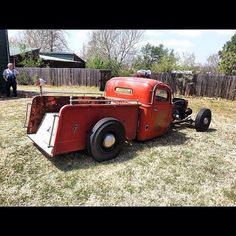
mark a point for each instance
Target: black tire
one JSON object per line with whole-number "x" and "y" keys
{"x": 102, "y": 129}
{"x": 203, "y": 120}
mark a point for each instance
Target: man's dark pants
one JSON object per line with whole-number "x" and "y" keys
{"x": 11, "y": 82}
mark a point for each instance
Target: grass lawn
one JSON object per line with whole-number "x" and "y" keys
{"x": 181, "y": 168}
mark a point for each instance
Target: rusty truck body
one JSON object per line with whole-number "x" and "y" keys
{"x": 130, "y": 109}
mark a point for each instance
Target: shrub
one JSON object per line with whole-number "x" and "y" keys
{"x": 127, "y": 72}
{"x": 24, "y": 78}
{"x": 34, "y": 79}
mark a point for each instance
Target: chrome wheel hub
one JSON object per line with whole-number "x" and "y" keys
{"x": 109, "y": 141}
{"x": 205, "y": 121}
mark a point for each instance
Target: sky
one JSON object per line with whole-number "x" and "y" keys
{"x": 202, "y": 43}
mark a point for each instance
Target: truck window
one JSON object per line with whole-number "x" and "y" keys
{"x": 124, "y": 90}
{"x": 161, "y": 95}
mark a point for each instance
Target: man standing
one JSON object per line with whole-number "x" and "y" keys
{"x": 9, "y": 75}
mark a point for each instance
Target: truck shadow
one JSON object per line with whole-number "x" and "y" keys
{"x": 81, "y": 160}
{"x": 20, "y": 94}
{"x": 187, "y": 126}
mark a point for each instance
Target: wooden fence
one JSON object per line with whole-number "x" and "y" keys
{"x": 200, "y": 84}
{"x": 69, "y": 76}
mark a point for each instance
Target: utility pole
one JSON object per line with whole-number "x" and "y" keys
{"x": 4, "y": 57}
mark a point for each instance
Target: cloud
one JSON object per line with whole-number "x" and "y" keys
{"x": 77, "y": 38}
{"x": 153, "y": 33}
{"x": 178, "y": 45}
{"x": 83, "y": 35}
{"x": 185, "y": 33}
{"x": 197, "y": 33}
{"x": 13, "y": 33}
{"x": 224, "y": 32}
{"x": 188, "y": 33}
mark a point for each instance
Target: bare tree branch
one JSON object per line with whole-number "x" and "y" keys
{"x": 114, "y": 45}
{"x": 52, "y": 40}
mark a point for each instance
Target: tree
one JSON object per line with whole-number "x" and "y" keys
{"x": 150, "y": 55}
{"x": 17, "y": 40}
{"x": 50, "y": 40}
{"x": 97, "y": 63}
{"x": 227, "y": 55}
{"x": 212, "y": 65}
{"x": 167, "y": 63}
{"x": 188, "y": 61}
{"x": 115, "y": 47}
{"x": 28, "y": 59}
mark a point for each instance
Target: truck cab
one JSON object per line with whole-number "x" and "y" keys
{"x": 154, "y": 98}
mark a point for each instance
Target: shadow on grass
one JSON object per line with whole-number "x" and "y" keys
{"x": 188, "y": 126}
{"x": 20, "y": 94}
{"x": 73, "y": 161}
{"x": 81, "y": 160}
{"x": 211, "y": 130}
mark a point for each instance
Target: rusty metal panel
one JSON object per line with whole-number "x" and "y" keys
{"x": 76, "y": 121}
{"x": 42, "y": 105}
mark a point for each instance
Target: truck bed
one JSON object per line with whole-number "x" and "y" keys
{"x": 74, "y": 118}
{"x": 48, "y": 104}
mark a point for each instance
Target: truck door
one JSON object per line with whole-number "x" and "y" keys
{"x": 162, "y": 111}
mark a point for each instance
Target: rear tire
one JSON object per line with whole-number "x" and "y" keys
{"x": 203, "y": 120}
{"x": 106, "y": 139}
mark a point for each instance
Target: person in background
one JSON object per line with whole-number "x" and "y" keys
{"x": 40, "y": 83}
{"x": 9, "y": 75}
{"x": 148, "y": 74}
{"x": 144, "y": 73}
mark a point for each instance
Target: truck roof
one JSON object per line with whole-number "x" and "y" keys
{"x": 142, "y": 81}
{"x": 141, "y": 88}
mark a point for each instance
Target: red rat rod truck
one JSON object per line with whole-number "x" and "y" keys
{"x": 131, "y": 109}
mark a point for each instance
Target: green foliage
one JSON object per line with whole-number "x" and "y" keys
{"x": 34, "y": 79}
{"x": 100, "y": 63}
{"x": 150, "y": 55}
{"x": 24, "y": 78}
{"x": 227, "y": 55}
{"x": 156, "y": 59}
{"x": 97, "y": 63}
{"x": 126, "y": 72}
{"x": 30, "y": 62}
{"x": 166, "y": 64}
{"x": 28, "y": 59}
{"x": 115, "y": 68}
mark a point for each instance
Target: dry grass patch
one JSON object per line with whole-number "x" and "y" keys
{"x": 183, "y": 167}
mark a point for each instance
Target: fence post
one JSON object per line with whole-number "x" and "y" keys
{"x": 105, "y": 76}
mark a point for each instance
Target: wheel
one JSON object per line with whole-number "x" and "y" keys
{"x": 203, "y": 120}
{"x": 106, "y": 139}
